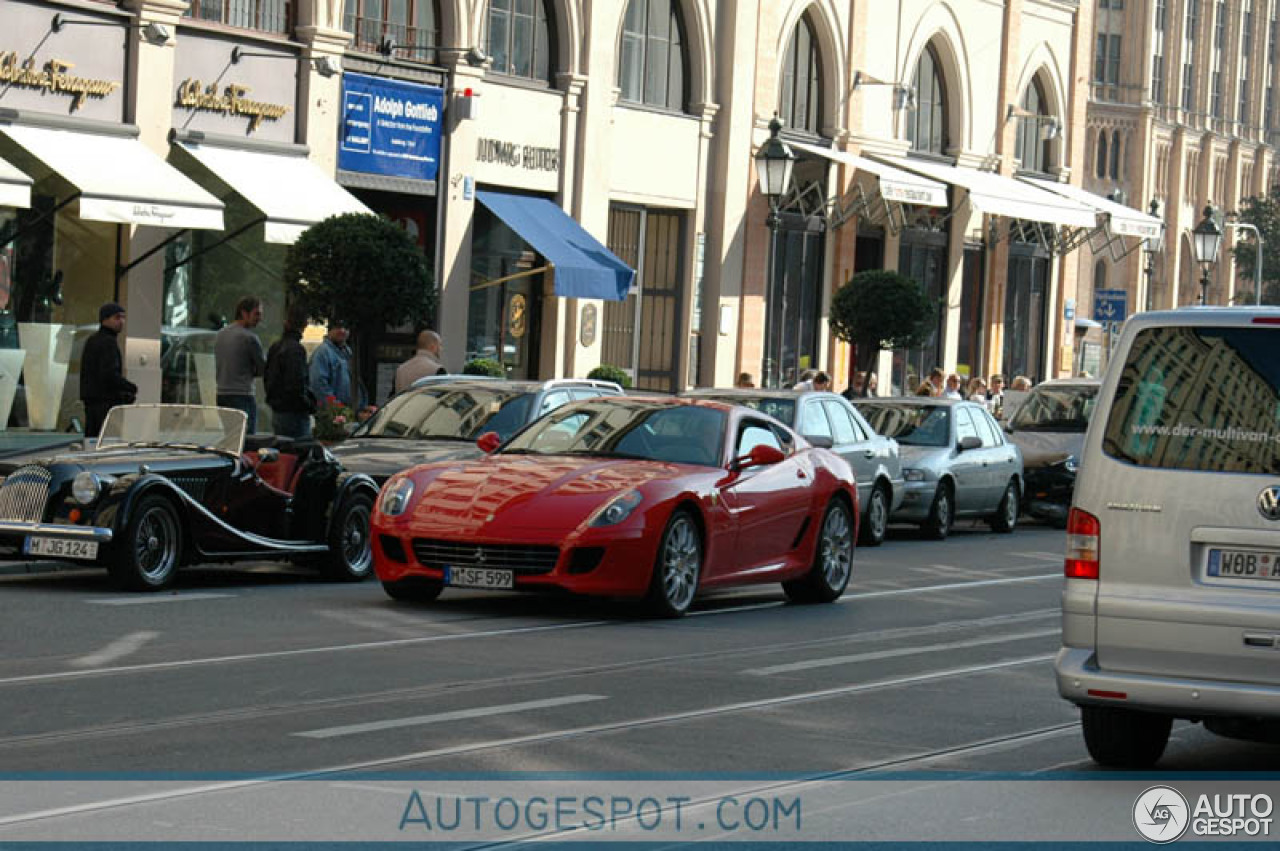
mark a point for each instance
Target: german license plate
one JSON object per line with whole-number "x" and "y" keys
{"x": 1244, "y": 564}
{"x": 480, "y": 577}
{"x": 59, "y": 547}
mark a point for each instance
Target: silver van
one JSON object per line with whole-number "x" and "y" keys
{"x": 1171, "y": 607}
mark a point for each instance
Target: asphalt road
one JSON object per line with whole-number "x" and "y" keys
{"x": 938, "y": 658}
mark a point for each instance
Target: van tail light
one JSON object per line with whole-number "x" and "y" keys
{"x": 1083, "y": 531}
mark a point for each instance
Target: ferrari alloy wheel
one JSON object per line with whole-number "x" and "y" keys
{"x": 675, "y": 574}
{"x": 350, "y": 557}
{"x": 413, "y": 589}
{"x": 941, "y": 514}
{"x": 877, "y": 525}
{"x": 1006, "y": 516}
{"x": 151, "y": 549}
{"x": 832, "y": 559}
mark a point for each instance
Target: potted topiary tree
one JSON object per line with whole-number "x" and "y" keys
{"x": 878, "y": 310}
{"x": 608, "y": 372}
{"x": 484, "y": 366}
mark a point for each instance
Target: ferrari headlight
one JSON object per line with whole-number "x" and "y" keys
{"x": 913, "y": 474}
{"x": 617, "y": 510}
{"x": 395, "y": 497}
{"x": 86, "y": 487}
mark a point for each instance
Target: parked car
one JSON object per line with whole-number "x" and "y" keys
{"x": 625, "y": 497}
{"x": 955, "y": 460}
{"x": 167, "y": 485}
{"x": 1171, "y": 607}
{"x": 1049, "y": 428}
{"x": 440, "y": 417}
{"x": 828, "y": 420}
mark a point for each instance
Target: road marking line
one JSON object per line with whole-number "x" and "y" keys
{"x": 118, "y": 649}
{"x": 456, "y": 715}
{"x": 924, "y": 589}
{"x": 1041, "y": 556}
{"x": 831, "y": 661}
{"x": 165, "y": 598}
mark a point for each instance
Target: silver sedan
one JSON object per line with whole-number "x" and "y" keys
{"x": 955, "y": 459}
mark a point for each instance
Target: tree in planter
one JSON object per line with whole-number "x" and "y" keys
{"x": 365, "y": 270}
{"x": 878, "y": 310}
{"x": 608, "y": 372}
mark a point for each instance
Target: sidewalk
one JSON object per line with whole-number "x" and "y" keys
{"x": 23, "y": 568}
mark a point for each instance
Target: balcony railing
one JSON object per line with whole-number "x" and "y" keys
{"x": 371, "y": 33}
{"x": 274, "y": 16}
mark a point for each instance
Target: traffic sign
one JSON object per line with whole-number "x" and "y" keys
{"x": 1110, "y": 305}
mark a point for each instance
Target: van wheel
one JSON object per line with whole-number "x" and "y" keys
{"x": 1124, "y": 738}
{"x": 941, "y": 514}
{"x": 872, "y": 532}
{"x": 1006, "y": 516}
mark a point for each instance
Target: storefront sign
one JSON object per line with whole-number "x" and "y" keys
{"x": 390, "y": 127}
{"x": 196, "y": 95}
{"x": 52, "y": 77}
{"x": 515, "y": 155}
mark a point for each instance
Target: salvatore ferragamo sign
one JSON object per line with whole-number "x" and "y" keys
{"x": 52, "y": 77}
{"x": 195, "y": 94}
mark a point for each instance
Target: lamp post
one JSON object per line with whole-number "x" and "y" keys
{"x": 774, "y": 162}
{"x": 1206, "y": 240}
{"x": 1152, "y": 245}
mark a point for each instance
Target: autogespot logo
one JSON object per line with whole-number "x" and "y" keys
{"x": 1160, "y": 814}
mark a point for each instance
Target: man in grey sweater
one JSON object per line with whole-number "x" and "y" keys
{"x": 238, "y": 354}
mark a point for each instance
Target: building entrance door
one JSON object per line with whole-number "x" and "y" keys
{"x": 641, "y": 334}
{"x": 1025, "y": 307}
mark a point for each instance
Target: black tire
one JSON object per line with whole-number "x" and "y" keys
{"x": 677, "y": 568}
{"x": 875, "y": 525}
{"x": 350, "y": 556}
{"x": 1124, "y": 738}
{"x": 941, "y": 514}
{"x": 832, "y": 559}
{"x": 1005, "y": 520}
{"x": 149, "y": 553}
{"x": 413, "y": 589}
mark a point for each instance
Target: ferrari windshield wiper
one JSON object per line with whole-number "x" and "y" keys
{"x": 599, "y": 453}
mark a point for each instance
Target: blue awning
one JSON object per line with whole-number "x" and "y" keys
{"x": 583, "y": 267}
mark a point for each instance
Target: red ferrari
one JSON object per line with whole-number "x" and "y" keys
{"x": 625, "y": 497}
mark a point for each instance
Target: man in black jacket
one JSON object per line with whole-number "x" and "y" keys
{"x": 287, "y": 383}
{"x": 102, "y": 381}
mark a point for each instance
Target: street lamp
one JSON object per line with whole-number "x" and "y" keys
{"x": 1206, "y": 240}
{"x": 1153, "y": 245}
{"x": 774, "y": 162}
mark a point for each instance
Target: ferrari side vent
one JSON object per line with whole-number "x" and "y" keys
{"x": 804, "y": 527}
{"x": 524, "y": 559}
{"x": 23, "y": 494}
{"x": 585, "y": 559}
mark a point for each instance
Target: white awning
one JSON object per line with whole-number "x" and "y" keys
{"x": 1124, "y": 221}
{"x": 1003, "y": 196}
{"x": 120, "y": 180}
{"x": 895, "y": 184}
{"x": 15, "y": 187}
{"x": 290, "y": 190}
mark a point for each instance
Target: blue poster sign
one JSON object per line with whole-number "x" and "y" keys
{"x": 1110, "y": 305}
{"x": 390, "y": 127}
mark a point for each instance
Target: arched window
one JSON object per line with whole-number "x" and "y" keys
{"x": 520, "y": 38}
{"x": 1101, "y": 169}
{"x": 1100, "y": 275}
{"x": 927, "y": 120}
{"x": 1032, "y": 146}
{"x": 405, "y": 23}
{"x": 652, "y": 66}
{"x": 1115, "y": 155}
{"x": 801, "y": 106}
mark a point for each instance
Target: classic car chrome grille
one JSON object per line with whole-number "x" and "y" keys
{"x": 23, "y": 494}
{"x": 524, "y": 560}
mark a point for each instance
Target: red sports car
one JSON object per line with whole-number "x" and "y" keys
{"x": 625, "y": 497}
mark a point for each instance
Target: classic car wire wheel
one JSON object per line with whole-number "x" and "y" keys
{"x": 837, "y": 552}
{"x": 155, "y": 543}
{"x": 356, "y": 550}
{"x": 680, "y": 559}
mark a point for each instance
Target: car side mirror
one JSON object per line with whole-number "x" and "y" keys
{"x": 821, "y": 441}
{"x": 489, "y": 442}
{"x": 969, "y": 442}
{"x": 761, "y": 455}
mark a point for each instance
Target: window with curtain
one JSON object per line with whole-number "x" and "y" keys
{"x": 801, "y": 106}
{"x": 519, "y": 38}
{"x": 651, "y": 69}
{"x": 927, "y": 120}
{"x": 1031, "y": 148}
{"x": 406, "y": 23}
{"x": 267, "y": 15}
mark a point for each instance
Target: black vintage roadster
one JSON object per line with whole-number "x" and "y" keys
{"x": 168, "y": 485}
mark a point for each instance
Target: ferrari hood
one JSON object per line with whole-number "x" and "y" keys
{"x": 382, "y": 458}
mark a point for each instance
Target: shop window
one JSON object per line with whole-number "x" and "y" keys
{"x": 801, "y": 106}
{"x": 927, "y": 120}
{"x": 519, "y": 40}
{"x": 651, "y": 70}
{"x": 1032, "y": 148}
{"x": 274, "y": 16}
{"x": 505, "y": 304}
{"x": 404, "y": 23}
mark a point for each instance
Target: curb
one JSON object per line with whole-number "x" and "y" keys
{"x": 31, "y": 568}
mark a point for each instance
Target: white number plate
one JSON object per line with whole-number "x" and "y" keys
{"x": 479, "y": 577}
{"x": 60, "y": 547}
{"x": 1243, "y": 564}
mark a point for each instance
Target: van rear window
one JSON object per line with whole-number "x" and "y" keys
{"x": 1196, "y": 398}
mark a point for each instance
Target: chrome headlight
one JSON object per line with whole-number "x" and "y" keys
{"x": 618, "y": 509}
{"x": 913, "y": 474}
{"x": 395, "y": 497}
{"x": 1071, "y": 463}
{"x": 86, "y": 487}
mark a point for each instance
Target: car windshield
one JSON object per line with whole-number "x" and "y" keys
{"x": 627, "y": 428}
{"x": 1057, "y": 408}
{"x": 910, "y": 425}
{"x": 783, "y": 410}
{"x": 449, "y": 412}
{"x": 193, "y": 426}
